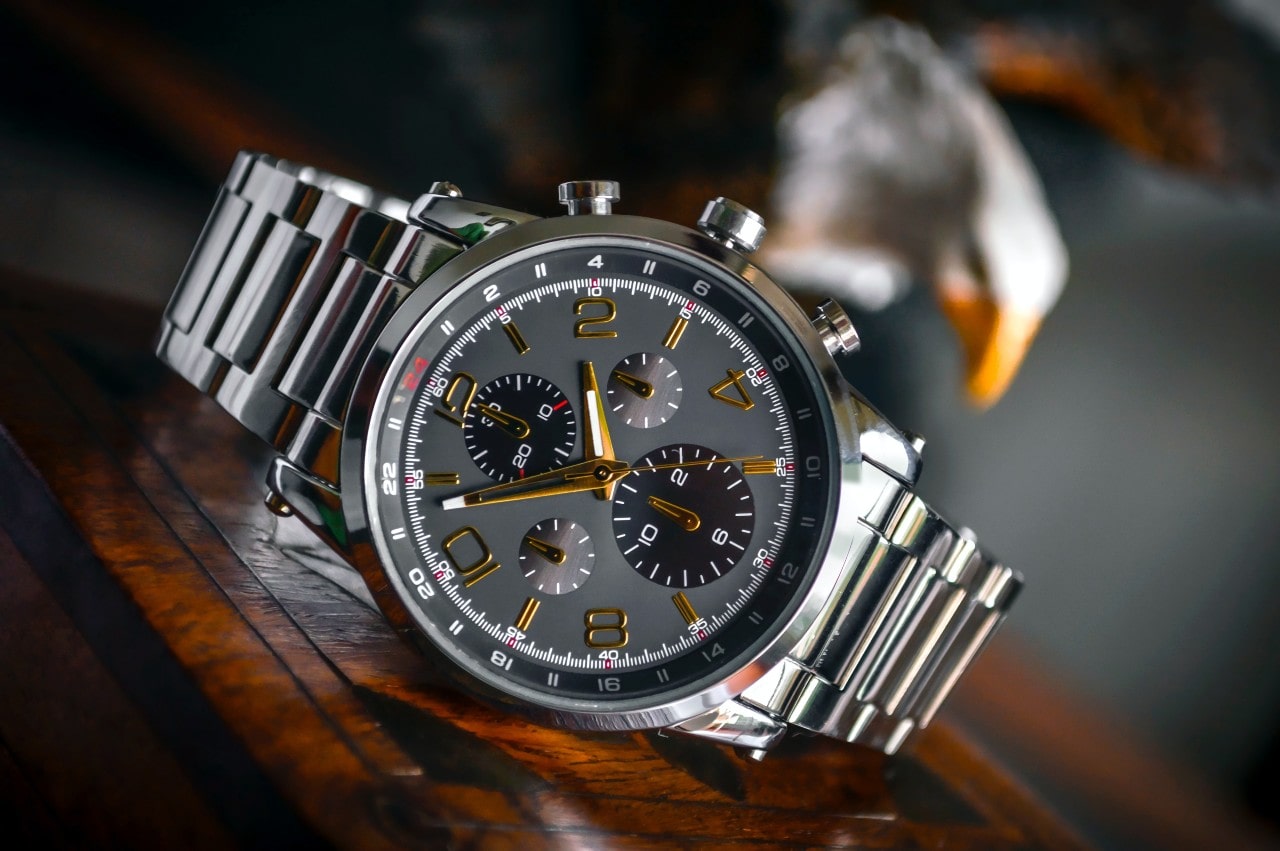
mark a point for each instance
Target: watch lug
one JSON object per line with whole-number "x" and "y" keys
{"x": 736, "y": 724}
{"x": 884, "y": 444}
{"x": 315, "y": 503}
{"x": 463, "y": 219}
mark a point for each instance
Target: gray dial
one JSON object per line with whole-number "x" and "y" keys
{"x": 526, "y": 582}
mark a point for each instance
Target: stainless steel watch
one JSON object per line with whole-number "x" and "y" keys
{"x": 600, "y": 468}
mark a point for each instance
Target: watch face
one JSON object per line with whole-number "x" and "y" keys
{"x": 600, "y": 474}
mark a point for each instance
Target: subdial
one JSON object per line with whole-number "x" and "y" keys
{"x": 644, "y": 390}
{"x": 517, "y": 425}
{"x": 556, "y": 556}
{"x": 683, "y": 526}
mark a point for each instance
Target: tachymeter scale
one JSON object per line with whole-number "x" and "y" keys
{"x": 620, "y": 634}
{"x": 519, "y": 424}
{"x": 683, "y": 526}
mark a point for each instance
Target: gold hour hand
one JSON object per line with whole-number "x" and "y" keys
{"x": 511, "y": 424}
{"x": 685, "y": 518}
{"x": 553, "y": 554}
{"x": 595, "y": 438}
{"x": 638, "y": 386}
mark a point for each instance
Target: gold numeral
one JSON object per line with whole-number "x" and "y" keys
{"x": 481, "y": 566}
{"x": 734, "y": 380}
{"x": 451, "y": 410}
{"x": 516, "y": 338}
{"x": 526, "y": 614}
{"x": 580, "y": 328}
{"x": 673, "y": 334}
{"x": 685, "y": 607}
{"x": 606, "y": 628}
{"x": 442, "y": 478}
{"x": 766, "y": 467}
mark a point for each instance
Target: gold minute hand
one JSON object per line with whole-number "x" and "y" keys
{"x": 583, "y": 476}
{"x": 644, "y": 468}
{"x": 581, "y": 471}
{"x": 576, "y": 478}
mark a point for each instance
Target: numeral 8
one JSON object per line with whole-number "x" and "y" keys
{"x": 606, "y": 628}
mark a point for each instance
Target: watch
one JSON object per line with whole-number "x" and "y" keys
{"x": 600, "y": 468}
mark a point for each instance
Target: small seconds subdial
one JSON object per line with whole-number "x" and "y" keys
{"x": 556, "y": 555}
{"x": 644, "y": 390}
{"x": 517, "y": 425}
{"x": 683, "y": 526}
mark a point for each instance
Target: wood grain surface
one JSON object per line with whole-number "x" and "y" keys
{"x": 184, "y": 669}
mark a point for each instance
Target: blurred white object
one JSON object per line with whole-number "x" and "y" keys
{"x": 898, "y": 168}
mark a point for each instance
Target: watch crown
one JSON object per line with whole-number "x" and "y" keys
{"x": 836, "y": 329}
{"x": 446, "y": 188}
{"x": 727, "y": 221}
{"x": 590, "y": 197}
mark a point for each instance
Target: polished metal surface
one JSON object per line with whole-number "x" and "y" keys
{"x": 735, "y": 723}
{"x": 274, "y": 315}
{"x": 921, "y": 600}
{"x": 589, "y": 197}
{"x": 445, "y": 187}
{"x": 293, "y": 313}
{"x": 728, "y": 222}
{"x": 836, "y": 329}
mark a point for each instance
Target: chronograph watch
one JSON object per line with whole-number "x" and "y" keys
{"x": 601, "y": 469}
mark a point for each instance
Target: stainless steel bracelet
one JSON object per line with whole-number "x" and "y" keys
{"x": 294, "y": 274}
{"x": 917, "y": 601}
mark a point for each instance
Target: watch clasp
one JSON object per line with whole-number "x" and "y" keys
{"x": 316, "y": 504}
{"x": 735, "y": 723}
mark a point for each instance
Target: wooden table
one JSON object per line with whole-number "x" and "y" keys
{"x": 183, "y": 669}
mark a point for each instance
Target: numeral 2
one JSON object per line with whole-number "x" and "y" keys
{"x": 582, "y": 328}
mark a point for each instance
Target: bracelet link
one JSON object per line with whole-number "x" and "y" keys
{"x": 295, "y": 273}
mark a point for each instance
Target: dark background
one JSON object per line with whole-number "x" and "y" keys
{"x": 1130, "y": 472}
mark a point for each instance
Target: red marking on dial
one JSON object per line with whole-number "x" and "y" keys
{"x": 411, "y": 377}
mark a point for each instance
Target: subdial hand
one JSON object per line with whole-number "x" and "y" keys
{"x": 553, "y": 554}
{"x": 683, "y": 517}
{"x": 511, "y": 424}
{"x": 638, "y": 386}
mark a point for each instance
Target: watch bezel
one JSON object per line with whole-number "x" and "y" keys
{"x": 436, "y": 294}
